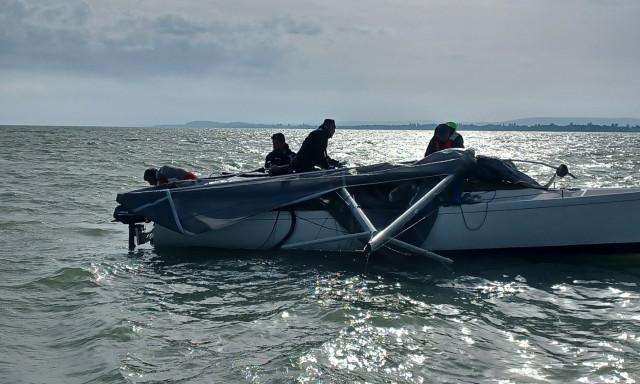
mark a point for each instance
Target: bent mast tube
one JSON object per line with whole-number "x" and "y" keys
{"x": 420, "y": 251}
{"x": 380, "y": 238}
{"x": 357, "y": 212}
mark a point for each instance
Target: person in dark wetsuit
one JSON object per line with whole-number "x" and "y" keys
{"x": 277, "y": 161}
{"x": 445, "y": 136}
{"x": 313, "y": 151}
{"x": 167, "y": 174}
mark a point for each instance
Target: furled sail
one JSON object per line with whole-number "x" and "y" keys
{"x": 202, "y": 206}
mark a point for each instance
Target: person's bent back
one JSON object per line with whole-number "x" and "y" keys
{"x": 313, "y": 151}
{"x": 166, "y": 174}
{"x": 445, "y": 136}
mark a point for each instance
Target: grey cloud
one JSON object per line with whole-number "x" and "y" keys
{"x": 291, "y": 26}
{"x": 52, "y": 15}
{"x": 177, "y": 25}
{"x": 12, "y": 10}
{"x": 76, "y": 39}
{"x": 81, "y": 13}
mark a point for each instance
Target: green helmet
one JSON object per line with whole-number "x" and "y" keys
{"x": 453, "y": 126}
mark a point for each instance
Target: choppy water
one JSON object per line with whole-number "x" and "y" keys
{"x": 76, "y": 306}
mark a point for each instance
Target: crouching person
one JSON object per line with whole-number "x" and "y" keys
{"x": 166, "y": 174}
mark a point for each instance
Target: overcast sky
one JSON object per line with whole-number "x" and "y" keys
{"x": 147, "y": 62}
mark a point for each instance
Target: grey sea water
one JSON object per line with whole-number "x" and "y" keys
{"x": 77, "y": 307}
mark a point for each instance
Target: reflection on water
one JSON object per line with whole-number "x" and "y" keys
{"x": 76, "y": 306}
{"x": 265, "y": 317}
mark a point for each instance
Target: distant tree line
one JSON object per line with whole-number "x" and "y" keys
{"x": 589, "y": 127}
{"x": 554, "y": 128}
{"x": 513, "y": 127}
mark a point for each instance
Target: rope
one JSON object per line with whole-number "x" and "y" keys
{"x": 486, "y": 210}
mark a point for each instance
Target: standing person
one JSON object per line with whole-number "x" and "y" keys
{"x": 313, "y": 151}
{"x": 166, "y": 174}
{"x": 277, "y": 161}
{"x": 445, "y": 136}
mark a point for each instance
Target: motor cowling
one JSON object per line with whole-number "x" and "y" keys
{"x": 125, "y": 216}
{"x": 137, "y": 234}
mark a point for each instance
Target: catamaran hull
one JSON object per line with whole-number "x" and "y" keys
{"x": 540, "y": 219}
{"x": 526, "y": 218}
{"x": 268, "y": 230}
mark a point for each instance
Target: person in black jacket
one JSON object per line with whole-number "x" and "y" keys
{"x": 445, "y": 136}
{"x": 277, "y": 161}
{"x": 313, "y": 151}
{"x": 281, "y": 154}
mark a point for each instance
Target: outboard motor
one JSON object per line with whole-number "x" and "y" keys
{"x": 137, "y": 234}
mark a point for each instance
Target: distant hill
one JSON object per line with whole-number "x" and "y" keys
{"x": 551, "y": 128}
{"x": 352, "y": 123}
{"x": 566, "y": 124}
{"x": 357, "y": 123}
{"x": 533, "y": 121}
{"x": 213, "y": 124}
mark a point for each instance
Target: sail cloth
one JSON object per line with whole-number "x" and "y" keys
{"x": 492, "y": 169}
{"x": 205, "y": 206}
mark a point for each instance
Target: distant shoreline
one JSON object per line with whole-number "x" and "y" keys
{"x": 421, "y": 127}
{"x": 412, "y": 127}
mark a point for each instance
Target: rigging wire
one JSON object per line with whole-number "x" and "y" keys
{"x": 321, "y": 226}
{"x": 272, "y": 233}
{"x": 486, "y": 210}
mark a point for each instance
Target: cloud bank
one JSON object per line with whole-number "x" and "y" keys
{"x": 152, "y": 62}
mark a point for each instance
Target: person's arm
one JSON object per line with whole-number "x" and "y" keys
{"x": 431, "y": 147}
{"x": 334, "y": 163}
{"x": 268, "y": 160}
{"x": 319, "y": 143}
{"x": 458, "y": 142}
{"x": 325, "y": 160}
{"x": 290, "y": 155}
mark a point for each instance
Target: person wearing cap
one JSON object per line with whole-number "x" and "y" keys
{"x": 313, "y": 151}
{"x": 166, "y": 174}
{"x": 445, "y": 136}
{"x": 277, "y": 161}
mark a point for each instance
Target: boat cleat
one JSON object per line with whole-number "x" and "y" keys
{"x": 468, "y": 198}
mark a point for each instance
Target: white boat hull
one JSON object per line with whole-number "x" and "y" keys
{"x": 532, "y": 218}
{"x": 503, "y": 219}
{"x": 265, "y": 231}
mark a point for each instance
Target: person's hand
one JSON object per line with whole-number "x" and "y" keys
{"x": 335, "y": 163}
